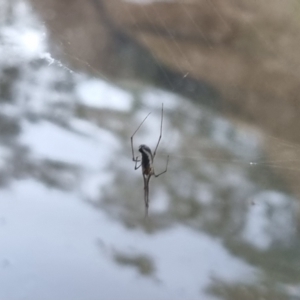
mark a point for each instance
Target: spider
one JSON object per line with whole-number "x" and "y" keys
{"x": 147, "y": 160}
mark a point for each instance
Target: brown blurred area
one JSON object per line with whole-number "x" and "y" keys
{"x": 243, "y": 54}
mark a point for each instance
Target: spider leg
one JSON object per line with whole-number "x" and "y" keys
{"x": 136, "y": 161}
{"x": 156, "y": 175}
{"x": 161, "y": 124}
{"x": 131, "y": 138}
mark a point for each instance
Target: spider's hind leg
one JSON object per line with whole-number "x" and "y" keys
{"x": 156, "y": 175}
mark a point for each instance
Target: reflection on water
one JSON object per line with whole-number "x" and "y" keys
{"x": 72, "y": 220}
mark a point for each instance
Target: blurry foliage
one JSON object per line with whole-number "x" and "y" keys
{"x": 143, "y": 264}
{"x": 227, "y": 291}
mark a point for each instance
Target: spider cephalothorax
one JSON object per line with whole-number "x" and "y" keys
{"x": 147, "y": 160}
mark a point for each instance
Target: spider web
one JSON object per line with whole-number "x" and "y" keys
{"x": 289, "y": 161}
{"x": 205, "y": 148}
{"x": 291, "y": 164}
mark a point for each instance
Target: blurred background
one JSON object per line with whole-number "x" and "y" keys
{"x": 77, "y": 78}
